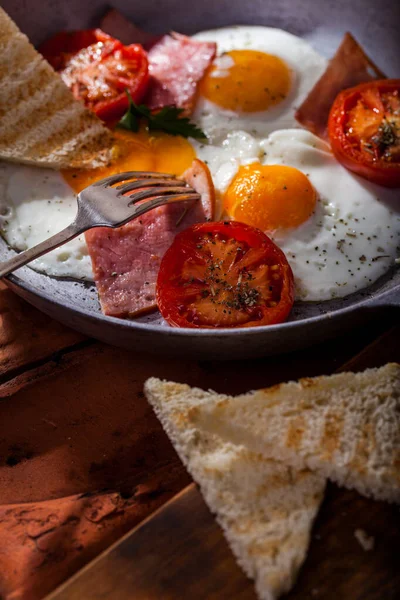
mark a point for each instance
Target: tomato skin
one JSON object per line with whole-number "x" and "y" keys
{"x": 381, "y": 172}
{"x": 63, "y": 45}
{"x": 89, "y": 56}
{"x": 171, "y": 298}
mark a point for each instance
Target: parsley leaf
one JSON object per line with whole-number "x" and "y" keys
{"x": 129, "y": 121}
{"x": 168, "y": 119}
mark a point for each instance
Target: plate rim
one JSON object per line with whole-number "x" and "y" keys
{"x": 377, "y": 299}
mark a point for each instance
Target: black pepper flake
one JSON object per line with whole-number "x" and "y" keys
{"x": 340, "y": 244}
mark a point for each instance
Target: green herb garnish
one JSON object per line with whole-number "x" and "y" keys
{"x": 168, "y": 119}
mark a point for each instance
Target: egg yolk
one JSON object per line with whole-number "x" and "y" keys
{"x": 270, "y": 197}
{"x": 247, "y": 81}
{"x": 142, "y": 151}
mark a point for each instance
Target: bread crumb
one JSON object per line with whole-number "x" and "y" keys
{"x": 367, "y": 542}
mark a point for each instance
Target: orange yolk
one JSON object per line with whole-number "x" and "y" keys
{"x": 270, "y": 197}
{"x": 142, "y": 151}
{"x": 256, "y": 81}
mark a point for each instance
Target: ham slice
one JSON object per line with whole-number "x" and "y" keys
{"x": 115, "y": 24}
{"x": 177, "y": 64}
{"x": 126, "y": 260}
{"x": 349, "y": 67}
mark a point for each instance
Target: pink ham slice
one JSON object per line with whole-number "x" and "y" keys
{"x": 126, "y": 260}
{"x": 349, "y": 67}
{"x": 177, "y": 64}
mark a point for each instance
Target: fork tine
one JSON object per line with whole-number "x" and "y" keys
{"x": 162, "y": 200}
{"x": 150, "y": 193}
{"x": 142, "y": 183}
{"x": 107, "y": 181}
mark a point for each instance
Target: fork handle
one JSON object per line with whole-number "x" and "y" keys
{"x": 21, "y": 259}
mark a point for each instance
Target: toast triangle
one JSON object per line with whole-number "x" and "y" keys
{"x": 346, "y": 427}
{"x": 41, "y": 123}
{"x": 265, "y": 509}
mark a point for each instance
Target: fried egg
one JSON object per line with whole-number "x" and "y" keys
{"x": 259, "y": 78}
{"x": 37, "y": 203}
{"x": 339, "y": 233}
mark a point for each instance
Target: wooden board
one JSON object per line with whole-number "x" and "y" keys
{"x": 28, "y": 337}
{"x": 180, "y": 552}
{"x": 177, "y": 553}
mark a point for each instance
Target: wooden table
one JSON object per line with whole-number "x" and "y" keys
{"x": 84, "y": 460}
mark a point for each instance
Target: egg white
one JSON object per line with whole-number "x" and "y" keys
{"x": 305, "y": 65}
{"x": 35, "y": 204}
{"x": 353, "y": 236}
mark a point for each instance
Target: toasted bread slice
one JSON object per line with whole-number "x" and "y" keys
{"x": 41, "y": 123}
{"x": 345, "y": 427}
{"x": 265, "y": 508}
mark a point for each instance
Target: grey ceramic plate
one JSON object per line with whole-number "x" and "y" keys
{"x": 374, "y": 24}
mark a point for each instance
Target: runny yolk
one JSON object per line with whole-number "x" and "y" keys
{"x": 270, "y": 197}
{"x": 142, "y": 151}
{"x": 246, "y": 81}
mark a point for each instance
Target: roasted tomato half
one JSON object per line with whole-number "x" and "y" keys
{"x": 364, "y": 130}
{"x": 224, "y": 274}
{"x": 99, "y": 69}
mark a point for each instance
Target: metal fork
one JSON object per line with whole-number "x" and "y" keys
{"x": 103, "y": 205}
